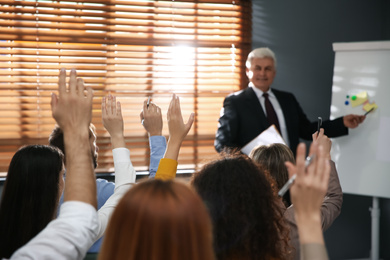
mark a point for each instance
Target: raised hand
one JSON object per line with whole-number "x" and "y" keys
{"x": 113, "y": 120}
{"x": 72, "y": 109}
{"x": 178, "y": 130}
{"x": 322, "y": 140}
{"x": 308, "y": 191}
{"x": 151, "y": 118}
{"x": 352, "y": 121}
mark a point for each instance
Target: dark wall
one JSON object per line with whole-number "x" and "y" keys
{"x": 301, "y": 34}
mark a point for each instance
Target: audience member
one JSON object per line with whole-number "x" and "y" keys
{"x": 159, "y": 220}
{"x": 104, "y": 188}
{"x": 178, "y": 130}
{"x": 307, "y": 195}
{"x": 73, "y": 232}
{"x": 125, "y": 174}
{"x": 151, "y": 119}
{"x": 273, "y": 158}
{"x": 30, "y": 195}
{"x": 246, "y": 215}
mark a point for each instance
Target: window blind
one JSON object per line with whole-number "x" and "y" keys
{"x": 131, "y": 49}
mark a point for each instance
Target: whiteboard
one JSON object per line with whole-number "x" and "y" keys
{"x": 363, "y": 157}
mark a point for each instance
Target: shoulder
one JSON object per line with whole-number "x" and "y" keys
{"x": 241, "y": 94}
{"x": 278, "y": 92}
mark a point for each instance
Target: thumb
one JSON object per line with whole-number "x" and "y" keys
{"x": 190, "y": 121}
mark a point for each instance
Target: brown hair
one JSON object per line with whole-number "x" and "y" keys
{"x": 272, "y": 157}
{"x": 246, "y": 215}
{"x": 159, "y": 220}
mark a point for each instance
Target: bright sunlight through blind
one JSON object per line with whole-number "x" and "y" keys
{"x": 132, "y": 49}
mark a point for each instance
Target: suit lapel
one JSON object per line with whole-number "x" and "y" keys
{"x": 254, "y": 103}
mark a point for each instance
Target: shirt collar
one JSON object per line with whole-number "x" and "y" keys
{"x": 258, "y": 92}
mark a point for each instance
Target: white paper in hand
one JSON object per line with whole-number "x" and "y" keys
{"x": 268, "y": 136}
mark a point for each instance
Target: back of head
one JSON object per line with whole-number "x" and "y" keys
{"x": 56, "y": 139}
{"x": 246, "y": 216}
{"x": 272, "y": 157}
{"x": 159, "y": 220}
{"x": 30, "y": 195}
{"x": 260, "y": 53}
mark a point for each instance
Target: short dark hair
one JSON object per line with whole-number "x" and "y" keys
{"x": 56, "y": 139}
{"x": 246, "y": 214}
{"x": 30, "y": 195}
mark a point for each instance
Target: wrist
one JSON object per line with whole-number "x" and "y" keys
{"x": 154, "y": 133}
{"x": 118, "y": 141}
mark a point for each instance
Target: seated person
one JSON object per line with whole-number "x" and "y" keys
{"x": 273, "y": 157}
{"x": 159, "y": 220}
{"x": 307, "y": 193}
{"x": 72, "y": 233}
{"x": 104, "y": 188}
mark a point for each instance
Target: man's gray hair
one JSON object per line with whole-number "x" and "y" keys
{"x": 260, "y": 53}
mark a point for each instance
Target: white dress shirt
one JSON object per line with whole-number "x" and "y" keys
{"x": 277, "y": 108}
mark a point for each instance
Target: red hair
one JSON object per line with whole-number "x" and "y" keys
{"x": 159, "y": 220}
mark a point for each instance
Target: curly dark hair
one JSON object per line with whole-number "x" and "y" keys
{"x": 246, "y": 214}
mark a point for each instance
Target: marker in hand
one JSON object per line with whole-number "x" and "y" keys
{"x": 319, "y": 124}
{"x": 372, "y": 109}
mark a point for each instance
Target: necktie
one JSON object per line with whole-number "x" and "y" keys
{"x": 271, "y": 114}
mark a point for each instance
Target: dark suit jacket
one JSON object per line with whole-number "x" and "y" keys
{"x": 243, "y": 118}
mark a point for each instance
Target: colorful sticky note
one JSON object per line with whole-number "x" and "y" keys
{"x": 360, "y": 99}
{"x": 368, "y": 106}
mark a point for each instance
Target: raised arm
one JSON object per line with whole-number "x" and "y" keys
{"x": 307, "y": 195}
{"x": 73, "y": 232}
{"x": 331, "y": 206}
{"x": 178, "y": 130}
{"x": 124, "y": 171}
{"x": 151, "y": 119}
{"x": 113, "y": 120}
{"x": 73, "y": 112}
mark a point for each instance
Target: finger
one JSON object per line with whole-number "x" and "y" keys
{"x": 72, "y": 81}
{"x": 190, "y": 121}
{"x": 177, "y": 106}
{"x": 291, "y": 168}
{"x": 113, "y": 105}
{"x": 312, "y": 149}
{"x": 104, "y": 110}
{"x": 80, "y": 86}
{"x": 158, "y": 110}
{"x": 300, "y": 159}
{"x": 89, "y": 95}
{"x": 141, "y": 115}
{"x": 108, "y": 105}
{"x": 62, "y": 82}
{"x": 118, "y": 109}
{"x": 171, "y": 105}
{"x": 53, "y": 102}
{"x": 145, "y": 107}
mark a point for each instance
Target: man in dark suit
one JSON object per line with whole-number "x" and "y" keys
{"x": 247, "y": 113}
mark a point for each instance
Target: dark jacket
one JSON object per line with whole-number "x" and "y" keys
{"x": 243, "y": 118}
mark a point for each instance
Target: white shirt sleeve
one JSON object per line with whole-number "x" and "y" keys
{"x": 124, "y": 178}
{"x": 67, "y": 237}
